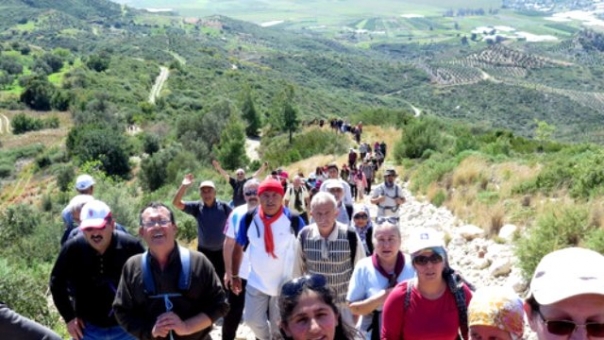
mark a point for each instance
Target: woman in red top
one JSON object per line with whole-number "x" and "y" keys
{"x": 433, "y": 306}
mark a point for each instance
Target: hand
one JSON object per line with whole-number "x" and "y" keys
{"x": 75, "y": 327}
{"x": 169, "y": 321}
{"x": 400, "y": 200}
{"x": 381, "y": 199}
{"x": 236, "y": 285}
{"x": 216, "y": 164}
{"x": 187, "y": 180}
{"x": 228, "y": 281}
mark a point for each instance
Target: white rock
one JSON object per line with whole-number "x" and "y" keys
{"x": 507, "y": 232}
{"x": 481, "y": 263}
{"x": 501, "y": 266}
{"x": 517, "y": 282}
{"x": 470, "y": 232}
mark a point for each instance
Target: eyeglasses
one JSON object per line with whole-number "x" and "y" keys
{"x": 360, "y": 216}
{"x": 251, "y": 193}
{"x": 293, "y": 287}
{"x": 391, "y": 219}
{"x": 161, "y": 223}
{"x": 423, "y": 260}
{"x": 567, "y": 327}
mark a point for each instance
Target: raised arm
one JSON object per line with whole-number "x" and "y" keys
{"x": 260, "y": 170}
{"x": 177, "y": 200}
{"x": 218, "y": 168}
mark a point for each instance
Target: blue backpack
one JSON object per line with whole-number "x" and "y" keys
{"x": 184, "y": 279}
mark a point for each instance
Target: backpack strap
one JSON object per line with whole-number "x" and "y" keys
{"x": 249, "y": 217}
{"x": 349, "y": 210}
{"x": 369, "y": 240}
{"x": 184, "y": 279}
{"x": 352, "y": 243}
{"x": 147, "y": 275}
{"x": 462, "y": 311}
{"x": 408, "y": 294}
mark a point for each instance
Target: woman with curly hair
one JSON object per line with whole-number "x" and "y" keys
{"x": 308, "y": 311}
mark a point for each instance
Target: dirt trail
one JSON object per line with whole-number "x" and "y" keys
{"x": 4, "y": 124}
{"x": 159, "y": 83}
{"x": 251, "y": 148}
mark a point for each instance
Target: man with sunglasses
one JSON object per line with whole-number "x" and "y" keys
{"x": 567, "y": 296}
{"x": 238, "y": 181}
{"x": 86, "y": 274}
{"x": 211, "y": 215}
{"x": 237, "y": 296}
{"x": 388, "y": 196}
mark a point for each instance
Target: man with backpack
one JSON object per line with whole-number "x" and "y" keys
{"x": 329, "y": 248}
{"x": 238, "y": 181}
{"x": 388, "y": 196}
{"x": 334, "y": 173}
{"x": 297, "y": 198}
{"x": 168, "y": 291}
{"x": 87, "y": 272}
{"x": 211, "y": 215}
{"x": 344, "y": 210}
{"x": 268, "y": 235}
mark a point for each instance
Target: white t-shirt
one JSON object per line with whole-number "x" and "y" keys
{"x": 268, "y": 273}
{"x": 230, "y": 230}
{"x": 366, "y": 281}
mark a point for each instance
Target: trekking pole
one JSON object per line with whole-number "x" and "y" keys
{"x": 169, "y": 305}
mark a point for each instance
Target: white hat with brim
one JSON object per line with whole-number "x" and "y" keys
{"x": 424, "y": 238}
{"x": 333, "y": 184}
{"x": 84, "y": 182}
{"x": 207, "y": 184}
{"x": 94, "y": 215}
{"x": 566, "y": 273}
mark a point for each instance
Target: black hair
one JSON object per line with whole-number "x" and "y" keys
{"x": 287, "y": 304}
{"x": 532, "y": 302}
{"x": 155, "y": 205}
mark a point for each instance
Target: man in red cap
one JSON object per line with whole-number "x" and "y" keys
{"x": 270, "y": 242}
{"x": 86, "y": 274}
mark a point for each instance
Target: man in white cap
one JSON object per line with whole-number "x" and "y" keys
{"x": 86, "y": 274}
{"x": 334, "y": 187}
{"x": 566, "y": 295}
{"x": 85, "y": 187}
{"x": 211, "y": 215}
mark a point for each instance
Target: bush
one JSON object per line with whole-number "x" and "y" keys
{"x": 560, "y": 227}
{"x": 419, "y": 136}
{"x": 439, "y": 198}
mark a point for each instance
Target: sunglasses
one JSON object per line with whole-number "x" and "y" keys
{"x": 566, "y": 327}
{"x": 294, "y": 287}
{"x": 422, "y": 260}
{"x": 150, "y": 224}
{"x": 251, "y": 193}
{"x": 391, "y": 219}
{"x": 360, "y": 216}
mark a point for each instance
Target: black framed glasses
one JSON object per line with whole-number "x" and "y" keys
{"x": 360, "y": 216}
{"x": 161, "y": 223}
{"x": 294, "y": 287}
{"x": 567, "y": 327}
{"x": 390, "y": 219}
{"x": 251, "y": 193}
{"x": 422, "y": 260}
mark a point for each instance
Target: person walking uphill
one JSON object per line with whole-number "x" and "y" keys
{"x": 87, "y": 272}
{"x": 211, "y": 215}
{"x": 388, "y": 196}
{"x": 169, "y": 291}
{"x": 238, "y": 181}
{"x": 269, "y": 235}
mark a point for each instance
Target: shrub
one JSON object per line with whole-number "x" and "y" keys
{"x": 439, "y": 198}
{"x": 559, "y": 227}
{"x": 306, "y": 144}
{"x": 420, "y": 135}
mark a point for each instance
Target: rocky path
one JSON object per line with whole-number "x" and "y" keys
{"x": 481, "y": 261}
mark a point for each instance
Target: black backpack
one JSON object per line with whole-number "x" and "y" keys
{"x": 293, "y": 217}
{"x": 351, "y": 235}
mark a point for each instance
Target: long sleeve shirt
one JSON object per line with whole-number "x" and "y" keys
{"x": 90, "y": 278}
{"x": 137, "y": 310}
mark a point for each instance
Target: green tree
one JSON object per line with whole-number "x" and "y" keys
{"x": 231, "y": 150}
{"x": 103, "y": 143}
{"x": 284, "y": 115}
{"x": 38, "y": 94}
{"x": 250, "y": 115}
{"x": 98, "y": 62}
{"x": 22, "y": 124}
{"x": 543, "y": 130}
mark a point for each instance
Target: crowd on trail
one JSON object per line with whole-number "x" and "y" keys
{"x": 295, "y": 257}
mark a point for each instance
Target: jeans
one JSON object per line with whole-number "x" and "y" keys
{"x": 255, "y": 316}
{"x": 92, "y": 332}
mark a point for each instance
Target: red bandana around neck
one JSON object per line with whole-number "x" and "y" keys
{"x": 398, "y": 268}
{"x": 269, "y": 243}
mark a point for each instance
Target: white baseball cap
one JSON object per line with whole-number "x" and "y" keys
{"x": 333, "y": 184}
{"x": 568, "y": 272}
{"x": 424, "y": 238}
{"x": 94, "y": 215}
{"x": 84, "y": 182}
{"x": 207, "y": 184}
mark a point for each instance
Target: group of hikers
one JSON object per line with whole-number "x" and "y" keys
{"x": 294, "y": 259}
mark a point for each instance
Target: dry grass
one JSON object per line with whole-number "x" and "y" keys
{"x": 471, "y": 170}
{"x": 596, "y": 213}
{"x": 492, "y": 219}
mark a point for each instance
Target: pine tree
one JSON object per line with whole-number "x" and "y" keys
{"x": 284, "y": 115}
{"x": 250, "y": 115}
{"x": 231, "y": 149}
